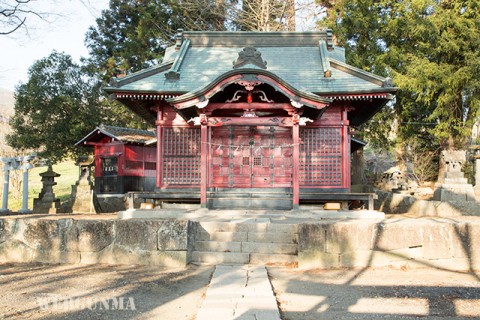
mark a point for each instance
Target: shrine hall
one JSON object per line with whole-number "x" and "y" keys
{"x": 252, "y": 119}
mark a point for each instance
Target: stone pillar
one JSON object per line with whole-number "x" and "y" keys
{"x": 6, "y": 171}
{"x": 26, "y": 165}
{"x": 82, "y": 197}
{"x": 454, "y": 186}
{"x": 46, "y": 201}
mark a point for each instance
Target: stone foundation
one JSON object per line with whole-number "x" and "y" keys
{"x": 160, "y": 242}
{"x": 410, "y": 243}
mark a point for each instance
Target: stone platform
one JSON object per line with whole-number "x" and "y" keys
{"x": 177, "y": 237}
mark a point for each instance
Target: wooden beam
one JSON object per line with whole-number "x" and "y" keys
{"x": 240, "y": 121}
{"x": 253, "y": 105}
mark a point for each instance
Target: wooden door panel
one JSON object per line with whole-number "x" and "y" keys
{"x": 246, "y": 157}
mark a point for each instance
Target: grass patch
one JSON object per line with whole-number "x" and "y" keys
{"x": 68, "y": 176}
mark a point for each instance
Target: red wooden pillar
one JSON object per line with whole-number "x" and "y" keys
{"x": 159, "y": 175}
{"x": 203, "y": 165}
{"x": 346, "y": 150}
{"x": 296, "y": 166}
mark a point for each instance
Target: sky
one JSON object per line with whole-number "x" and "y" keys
{"x": 64, "y": 31}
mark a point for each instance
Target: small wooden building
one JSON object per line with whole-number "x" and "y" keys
{"x": 125, "y": 159}
{"x": 253, "y": 119}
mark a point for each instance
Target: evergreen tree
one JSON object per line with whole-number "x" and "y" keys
{"x": 56, "y": 107}
{"x": 431, "y": 50}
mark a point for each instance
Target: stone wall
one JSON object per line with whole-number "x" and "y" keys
{"x": 442, "y": 243}
{"x": 145, "y": 242}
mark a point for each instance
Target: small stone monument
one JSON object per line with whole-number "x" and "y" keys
{"x": 454, "y": 186}
{"x": 46, "y": 201}
{"x": 82, "y": 196}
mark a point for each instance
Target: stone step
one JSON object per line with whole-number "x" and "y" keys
{"x": 273, "y": 259}
{"x": 272, "y": 203}
{"x": 217, "y": 246}
{"x": 265, "y": 237}
{"x": 221, "y": 236}
{"x": 246, "y": 247}
{"x": 214, "y": 227}
{"x": 214, "y": 258}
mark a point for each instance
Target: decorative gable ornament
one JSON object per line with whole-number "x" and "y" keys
{"x": 249, "y": 55}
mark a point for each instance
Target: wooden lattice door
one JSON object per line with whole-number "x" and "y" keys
{"x": 251, "y": 157}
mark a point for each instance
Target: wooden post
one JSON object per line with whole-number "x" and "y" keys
{"x": 159, "y": 176}
{"x": 296, "y": 166}
{"x": 204, "y": 165}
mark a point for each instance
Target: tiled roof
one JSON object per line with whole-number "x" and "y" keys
{"x": 118, "y": 133}
{"x": 294, "y": 57}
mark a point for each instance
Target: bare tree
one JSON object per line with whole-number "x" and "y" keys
{"x": 14, "y": 15}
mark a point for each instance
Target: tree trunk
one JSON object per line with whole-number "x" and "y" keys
{"x": 358, "y": 167}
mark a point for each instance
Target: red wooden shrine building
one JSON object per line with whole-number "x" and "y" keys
{"x": 125, "y": 159}
{"x": 250, "y": 119}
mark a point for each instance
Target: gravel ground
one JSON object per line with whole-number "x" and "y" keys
{"x": 36, "y": 291}
{"x": 376, "y": 294}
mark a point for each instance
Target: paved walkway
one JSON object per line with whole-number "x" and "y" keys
{"x": 241, "y": 293}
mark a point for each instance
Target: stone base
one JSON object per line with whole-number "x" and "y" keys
{"x": 82, "y": 199}
{"x": 454, "y": 192}
{"x": 52, "y": 207}
{"x": 108, "y": 203}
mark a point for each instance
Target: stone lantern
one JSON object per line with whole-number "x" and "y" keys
{"x": 46, "y": 201}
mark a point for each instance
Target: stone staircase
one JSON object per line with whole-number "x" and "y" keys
{"x": 250, "y": 198}
{"x": 250, "y": 242}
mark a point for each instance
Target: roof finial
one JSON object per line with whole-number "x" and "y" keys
{"x": 178, "y": 39}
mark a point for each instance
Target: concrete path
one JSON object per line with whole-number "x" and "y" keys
{"x": 241, "y": 293}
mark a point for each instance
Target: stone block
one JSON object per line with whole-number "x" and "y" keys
{"x": 174, "y": 259}
{"x": 441, "y": 240}
{"x": 14, "y": 251}
{"x": 218, "y": 246}
{"x": 137, "y": 234}
{"x": 39, "y": 234}
{"x": 94, "y": 235}
{"x": 222, "y": 236}
{"x": 318, "y": 260}
{"x": 398, "y": 234}
{"x": 5, "y": 229}
{"x": 279, "y": 228}
{"x": 387, "y": 258}
{"x": 55, "y": 256}
{"x": 173, "y": 235}
{"x": 356, "y": 259}
{"x": 68, "y": 235}
{"x": 348, "y": 236}
{"x": 272, "y": 237}
{"x": 311, "y": 237}
{"x": 104, "y": 256}
{"x": 272, "y": 248}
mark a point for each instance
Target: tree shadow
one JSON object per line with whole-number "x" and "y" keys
{"x": 91, "y": 291}
{"x": 354, "y": 299}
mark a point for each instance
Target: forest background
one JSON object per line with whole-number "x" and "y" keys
{"x": 429, "y": 48}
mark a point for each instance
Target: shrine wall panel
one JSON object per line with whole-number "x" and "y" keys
{"x": 321, "y": 157}
{"x": 181, "y": 157}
